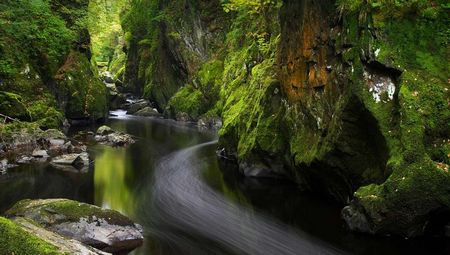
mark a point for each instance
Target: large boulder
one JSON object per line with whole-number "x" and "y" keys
{"x": 21, "y": 236}
{"x": 148, "y": 112}
{"x": 103, "y": 229}
{"x": 138, "y": 105}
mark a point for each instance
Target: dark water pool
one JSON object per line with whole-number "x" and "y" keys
{"x": 171, "y": 183}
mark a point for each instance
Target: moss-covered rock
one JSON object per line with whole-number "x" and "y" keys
{"x": 354, "y": 106}
{"x": 11, "y": 105}
{"x": 86, "y": 95}
{"x": 105, "y": 229}
{"x": 15, "y": 240}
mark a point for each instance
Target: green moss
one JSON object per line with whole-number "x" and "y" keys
{"x": 188, "y": 100}
{"x": 12, "y": 105}
{"x": 14, "y": 240}
{"x": 70, "y": 210}
{"x": 87, "y": 95}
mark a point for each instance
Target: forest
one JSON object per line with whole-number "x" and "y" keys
{"x": 224, "y": 127}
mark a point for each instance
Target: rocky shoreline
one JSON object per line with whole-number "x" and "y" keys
{"x": 30, "y": 144}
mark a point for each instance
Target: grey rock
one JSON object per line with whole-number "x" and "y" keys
{"x": 40, "y": 153}
{"x": 113, "y": 138}
{"x": 183, "y": 117}
{"x": 76, "y": 160}
{"x": 57, "y": 142}
{"x": 355, "y": 219}
{"x": 148, "y": 112}
{"x": 138, "y": 105}
{"x": 65, "y": 246}
{"x": 104, "y": 130}
{"x": 24, "y": 160}
{"x": 210, "y": 123}
{"x": 100, "y": 228}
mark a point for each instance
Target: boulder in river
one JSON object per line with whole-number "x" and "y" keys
{"x": 138, "y": 105}
{"x": 108, "y": 136}
{"x": 76, "y": 160}
{"x": 104, "y": 130}
{"x": 103, "y": 229}
{"x": 148, "y": 112}
{"x": 22, "y": 236}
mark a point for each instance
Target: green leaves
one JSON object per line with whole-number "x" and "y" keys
{"x": 251, "y": 6}
{"x": 30, "y": 29}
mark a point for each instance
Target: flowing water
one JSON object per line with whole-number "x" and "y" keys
{"x": 188, "y": 202}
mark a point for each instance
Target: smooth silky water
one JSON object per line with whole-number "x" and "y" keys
{"x": 188, "y": 202}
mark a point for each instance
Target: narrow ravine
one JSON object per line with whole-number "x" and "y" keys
{"x": 183, "y": 202}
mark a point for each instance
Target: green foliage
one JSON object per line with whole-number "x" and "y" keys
{"x": 105, "y": 28}
{"x": 250, "y": 6}
{"x": 31, "y": 31}
{"x": 14, "y": 240}
{"x": 12, "y": 105}
{"x": 395, "y": 8}
{"x": 188, "y": 100}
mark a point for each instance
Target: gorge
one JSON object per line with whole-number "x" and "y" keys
{"x": 317, "y": 102}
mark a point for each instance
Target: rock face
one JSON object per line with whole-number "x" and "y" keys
{"x": 340, "y": 100}
{"x": 45, "y": 81}
{"x": 103, "y": 229}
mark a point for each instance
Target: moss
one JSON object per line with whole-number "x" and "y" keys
{"x": 87, "y": 95}
{"x": 12, "y": 105}
{"x": 14, "y": 240}
{"x": 71, "y": 211}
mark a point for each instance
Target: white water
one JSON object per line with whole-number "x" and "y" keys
{"x": 183, "y": 202}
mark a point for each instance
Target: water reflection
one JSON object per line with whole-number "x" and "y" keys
{"x": 112, "y": 168}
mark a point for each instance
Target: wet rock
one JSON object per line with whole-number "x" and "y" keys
{"x": 106, "y": 135}
{"x": 356, "y": 220}
{"x": 117, "y": 101}
{"x": 3, "y": 166}
{"x": 63, "y": 245}
{"x": 138, "y": 105}
{"x": 260, "y": 170}
{"x": 24, "y": 160}
{"x": 183, "y": 117}
{"x": 76, "y": 160}
{"x": 147, "y": 112}
{"x": 210, "y": 123}
{"x": 103, "y": 229}
{"x": 104, "y": 130}
{"x": 40, "y": 154}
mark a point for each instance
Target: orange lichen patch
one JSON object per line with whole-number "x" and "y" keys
{"x": 303, "y": 52}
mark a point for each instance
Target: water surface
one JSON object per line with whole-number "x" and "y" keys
{"x": 171, "y": 183}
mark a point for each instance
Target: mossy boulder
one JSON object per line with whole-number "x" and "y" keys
{"x": 12, "y": 106}
{"x": 104, "y": 229}
{"x": 22, "y": 236}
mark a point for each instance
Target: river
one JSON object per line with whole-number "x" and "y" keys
{"x": 188, "y": 202}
